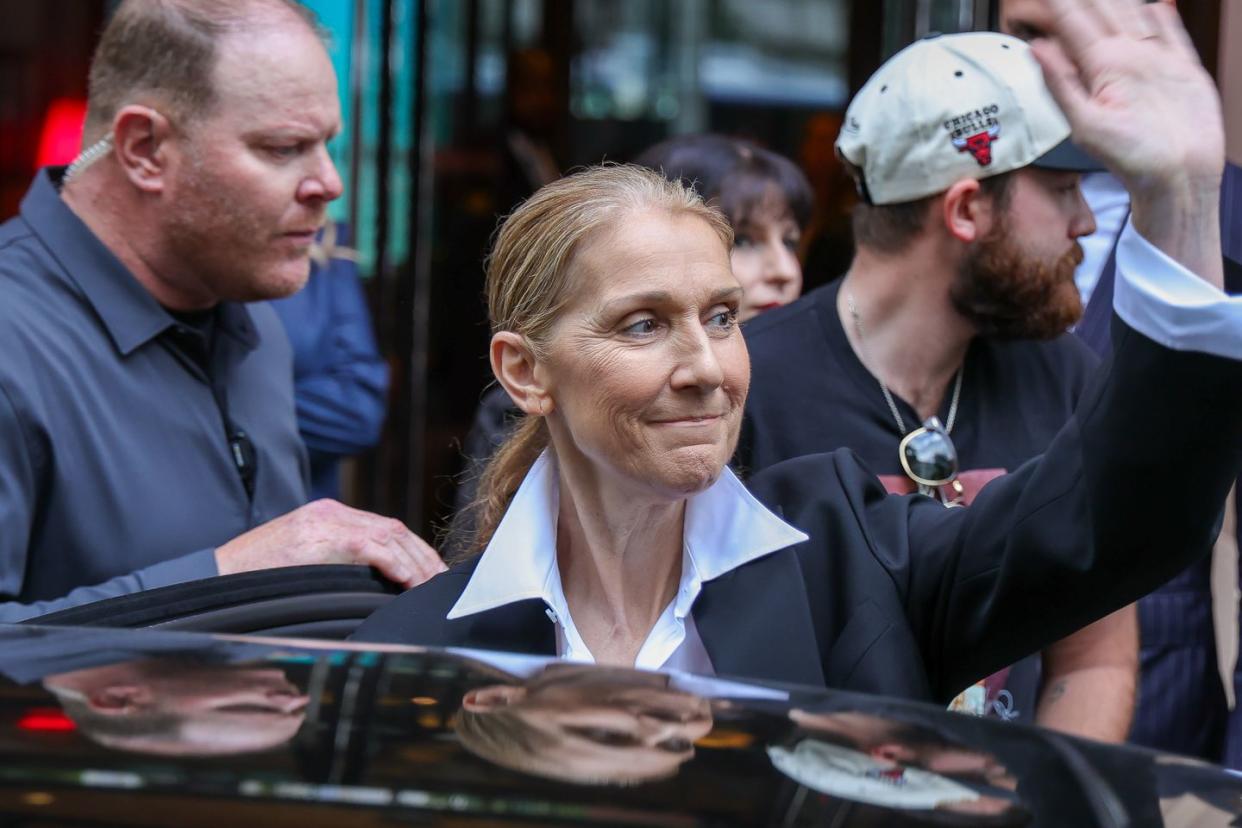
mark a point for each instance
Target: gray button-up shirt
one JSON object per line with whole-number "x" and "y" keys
{"x": 116, "y": 472}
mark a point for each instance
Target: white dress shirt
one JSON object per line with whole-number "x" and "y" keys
{"x": 725, "y": 527}
{"x": 1110, "y": 203}
{"x": 1168, "y": 304}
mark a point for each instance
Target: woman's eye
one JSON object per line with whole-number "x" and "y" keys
{"x": 792, "y": 243}
{"x": 676, "y": 745}
{"x": 640, "y": 328}
{"x": 742, "y": 240}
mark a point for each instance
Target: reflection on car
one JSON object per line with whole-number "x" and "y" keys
{"x": 125, "y": 727}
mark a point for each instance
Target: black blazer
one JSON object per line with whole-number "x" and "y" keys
{"x": 1157, "y": 618}
{"x": 900, "y": 596}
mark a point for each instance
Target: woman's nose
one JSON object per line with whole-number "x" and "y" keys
{"x": 697, "y": 364}
{"x": 782, "y": 266}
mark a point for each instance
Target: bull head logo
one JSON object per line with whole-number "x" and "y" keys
{"x": 979, "y": 145}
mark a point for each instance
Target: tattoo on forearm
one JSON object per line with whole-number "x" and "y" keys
{"x": 1056, "y": 691}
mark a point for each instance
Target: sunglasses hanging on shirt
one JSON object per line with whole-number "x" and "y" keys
{"x": 929, "y": 458}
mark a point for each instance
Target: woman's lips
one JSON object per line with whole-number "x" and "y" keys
{"x": 687, "y": 422}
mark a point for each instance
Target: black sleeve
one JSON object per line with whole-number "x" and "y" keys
{"x": 1127, "y": 495}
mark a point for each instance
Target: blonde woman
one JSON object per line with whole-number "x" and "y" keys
{"x": 610, "y": 529}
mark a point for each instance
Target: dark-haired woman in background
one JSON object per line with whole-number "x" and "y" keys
{"x": 766, "y": 199}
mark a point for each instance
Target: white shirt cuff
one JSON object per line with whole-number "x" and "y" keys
{"x": 1168, "y": 304}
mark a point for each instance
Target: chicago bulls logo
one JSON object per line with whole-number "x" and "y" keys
{"x": 893, "y": 776}
{"x": 979, "y": 145}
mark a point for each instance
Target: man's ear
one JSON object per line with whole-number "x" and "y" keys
{"x": 140, "y": 137}
{"x": 487, "y": 699}
{"x": 118, "y": 698}
{"x": 517, "y": 369}
{"x": 966, "y": 211}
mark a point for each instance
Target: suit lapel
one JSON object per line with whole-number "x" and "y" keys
{"x": 755, "y": 622}
{"x": 520, "y": 627}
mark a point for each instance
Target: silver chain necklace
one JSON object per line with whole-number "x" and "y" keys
{"x": 888, "y": 395}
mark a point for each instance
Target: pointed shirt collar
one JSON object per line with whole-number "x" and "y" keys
{"x": 725, "y": 527}
{"x": 130, "y": 314}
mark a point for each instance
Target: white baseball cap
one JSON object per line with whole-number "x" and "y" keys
{"x": 849, "y": 774}
{"x": 949, "y": 107}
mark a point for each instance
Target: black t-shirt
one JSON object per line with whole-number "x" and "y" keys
{"x": 810, "y": 393}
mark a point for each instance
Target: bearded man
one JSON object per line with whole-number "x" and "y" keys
{"x": 948, "y": 334}
{"x": 147, "y": 431}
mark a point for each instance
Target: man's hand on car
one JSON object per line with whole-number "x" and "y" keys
{"x": 328, "y": 532}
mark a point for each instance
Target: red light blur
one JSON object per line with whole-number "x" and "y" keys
{"x": 46, "y": 720}
{"x": 61, "y": 138}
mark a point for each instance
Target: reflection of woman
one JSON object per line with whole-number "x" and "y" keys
{"x": 581, "y": 724}
{"x": 611, "y": 530}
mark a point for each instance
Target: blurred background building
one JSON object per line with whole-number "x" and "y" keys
{"x": 457, "y": 109}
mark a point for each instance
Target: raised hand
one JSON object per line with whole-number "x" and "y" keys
{"x": 1133, "y": 89}
{"x": 1138, "y": 99}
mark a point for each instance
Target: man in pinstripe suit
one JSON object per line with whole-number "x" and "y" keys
{"x": 1181, "y": 703}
